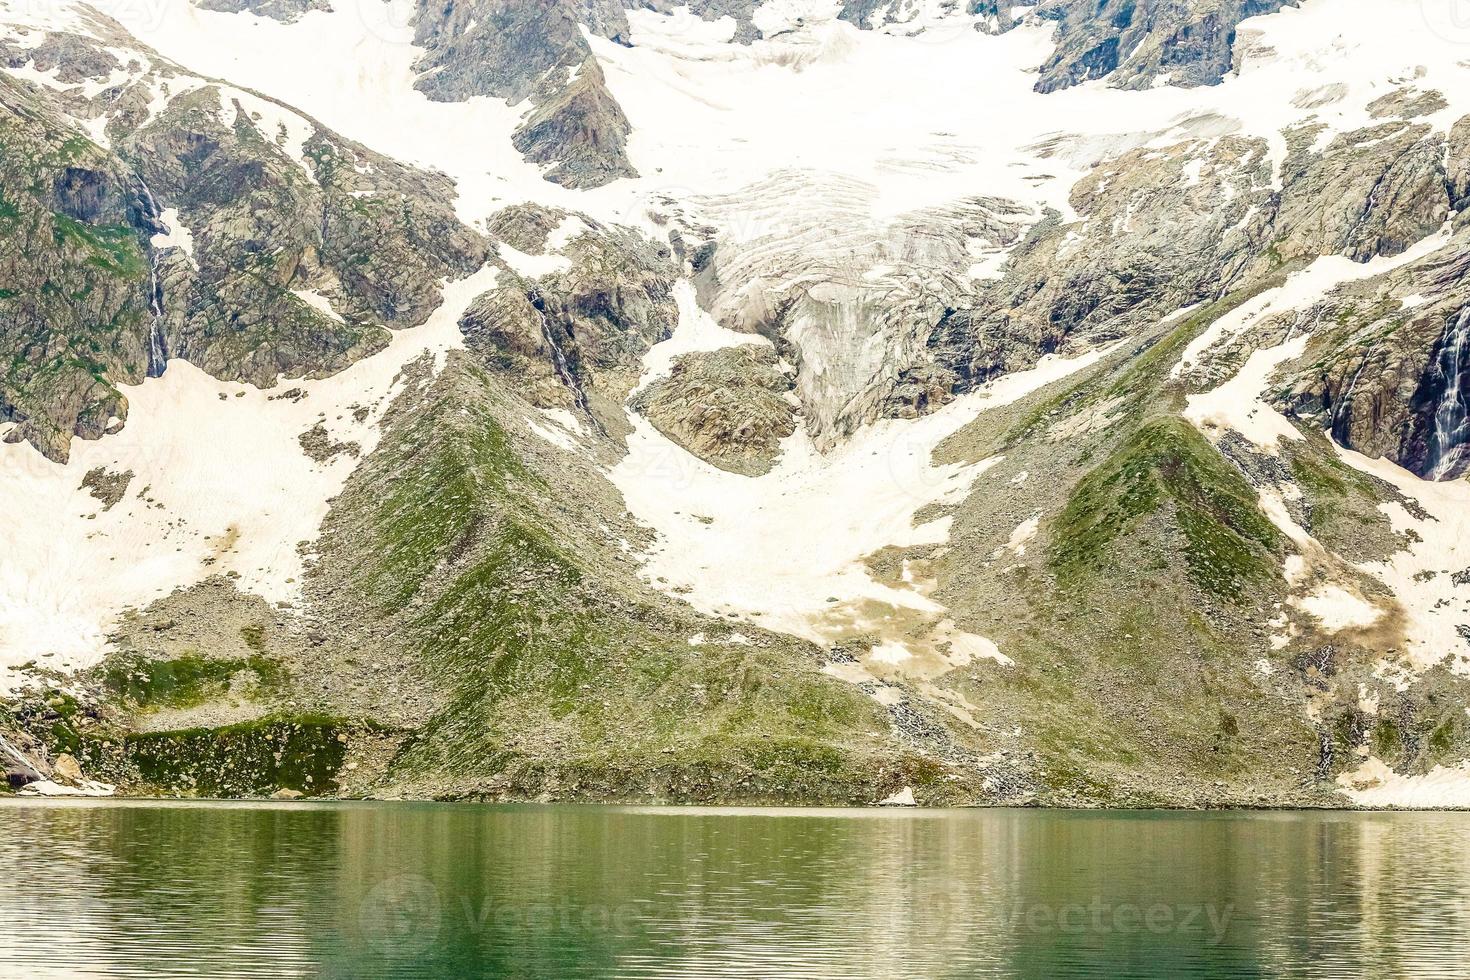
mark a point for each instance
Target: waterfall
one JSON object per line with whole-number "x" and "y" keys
{"x": 1447, "y": 446}
{"x": 157, "y": 345}
{"x": 18, "y": 756}
{"x": 157, "y": 351}
{"x": 1342, "y": 414}
{"x": 558, "y": 357}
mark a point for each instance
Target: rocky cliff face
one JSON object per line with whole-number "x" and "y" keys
{"x": 271, "y": 233}
{"x": 225, "y": 230}
{"x": 283, "y": 10}
{"x": 572, "y": 333}
{"x": 729, "y": 407}
{"x": 1162, "y": 229}
{"x": 1138, "y": 43}
{"x": 77, "y": 309}
{"x": 533, "y": 53}
{"x": 1386, "y": 376}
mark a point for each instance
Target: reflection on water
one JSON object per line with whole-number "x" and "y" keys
{"x": 364, "y": 890}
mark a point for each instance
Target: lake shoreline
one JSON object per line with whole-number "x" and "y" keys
{"x": 713, "y": 807}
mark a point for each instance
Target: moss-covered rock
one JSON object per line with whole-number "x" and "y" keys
{"x": 150, "y": 683}
{"x": 304, "y": 754}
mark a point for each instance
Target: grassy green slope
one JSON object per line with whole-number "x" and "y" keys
{"x": 559, "y": 673}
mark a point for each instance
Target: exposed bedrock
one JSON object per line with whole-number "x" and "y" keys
{"x": 729, "y": 407}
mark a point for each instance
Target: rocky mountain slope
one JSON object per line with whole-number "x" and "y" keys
{"x": 724, "y": 402}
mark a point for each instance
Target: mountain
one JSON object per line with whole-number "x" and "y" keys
{"x": 788, "y": 401}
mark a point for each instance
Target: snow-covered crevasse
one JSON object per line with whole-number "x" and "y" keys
{"x": 786, "y": 550}
{"x": 220, "y": 484}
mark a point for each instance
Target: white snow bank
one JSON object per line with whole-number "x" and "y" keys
{"x": 1238, "y": 404}
{"x": 317, "y": 302}
{"x": 1374, "y": 784}
{"x": 564, "y": 430}
{"x": 786, "y": 550}
{"x": 1022, "y": 535}
{"x": 904, "y": 797}
{"x": 533, "y": 266}
{"x": 87, "y": 787}
{"x": 1337, "y": 609}
{"x": 177, "y": 236}
{"x": 1422, "y": 575}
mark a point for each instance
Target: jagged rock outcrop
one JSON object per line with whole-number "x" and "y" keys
{"x": 1156, "y": 230}
{"x": 730, "y": 407}
{"x": 1134, "y": 43}
{"x": 1369, "y": 192}
{"x": 75, "y": 293}
{"x": 522, "y": 52}
{"x": 1161, "y": 229}
{"x": 282, "y": 10}
{"x": 580, "y": 133}
{"x": 222, "y": 227}
{"x": 525, "y": 227}
{"x": 1389, "y": 379}
{"x": 74, "y": 59}
{"x": 575, "y": 337}
{"x": 272, "y": 217}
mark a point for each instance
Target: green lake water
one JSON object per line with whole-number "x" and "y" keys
{"x": 409, "y": 890}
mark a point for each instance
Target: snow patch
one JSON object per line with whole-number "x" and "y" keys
{"x": 1336, "y": 609}
{"x": 176, "y": 234}
{"x": 904, "y": 797}
{"x": 1021, "y": 536}
{"x": 564, "y": 430}
{"x": 780, "y": 546}
{"x": 1238, "y": 403}
{"x": 317, "y": 302}
{"x": 1374, "y": 784}
{"x": 532, "y": 266}
{"x": 46, "y": 787}
{"x": 1422, "y": 576}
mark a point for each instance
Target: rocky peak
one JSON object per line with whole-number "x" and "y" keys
{"x": 1136, "y": 43}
